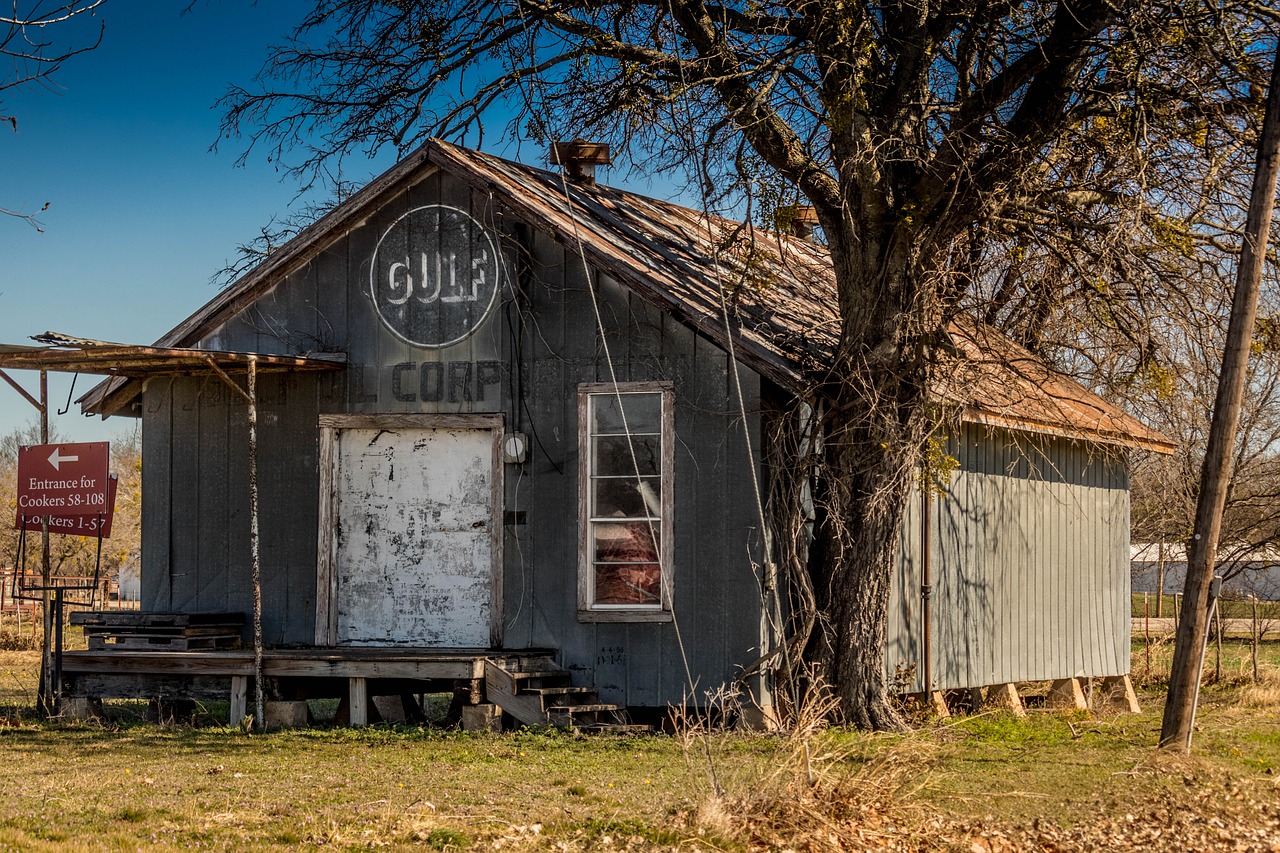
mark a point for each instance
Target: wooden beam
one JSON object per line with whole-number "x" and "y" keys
{"x": 222, "y": 374}
{"x": 23, "y": 391}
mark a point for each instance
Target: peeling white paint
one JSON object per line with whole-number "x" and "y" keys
{"x": 415, "y": 545}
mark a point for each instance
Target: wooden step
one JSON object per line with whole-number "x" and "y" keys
{"x": 583, "y": 709}
{"x": 532, "y": 682}
{"x": 613, "y": 728}
{"x": 564, "y": 692}
{"x": 579, "y": 716}
{"x": 502, "y": 689}
{"x": 523, "y": 692}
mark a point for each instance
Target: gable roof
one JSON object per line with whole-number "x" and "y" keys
{"x": 779, "y": 290}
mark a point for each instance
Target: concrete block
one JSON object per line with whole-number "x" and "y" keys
{"x": 1003, "y": 697}
{"x": 1116, "y": 695}
{"x": 485, "y": 717}
{"x": 80, "y": 708}
{"x": 286, "y": 715}
{"x": 390, "y": 709}
{"x": 934, "y": 703}
{"x": 1066, "y": 695}
{"x": 754, "y": 718}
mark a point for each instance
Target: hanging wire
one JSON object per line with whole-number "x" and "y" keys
{"x": 769, "y": 582}
{"x": 666, "y": 593}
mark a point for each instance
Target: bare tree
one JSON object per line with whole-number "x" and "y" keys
{"x": 933, "y": 139}
{"x": 32, "y": 54}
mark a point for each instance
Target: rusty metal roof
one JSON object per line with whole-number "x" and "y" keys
{"x": 779, "y": 290}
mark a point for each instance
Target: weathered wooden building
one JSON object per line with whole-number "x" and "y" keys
{"x": 539, "y": 443}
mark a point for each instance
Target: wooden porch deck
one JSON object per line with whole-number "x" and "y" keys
{"x": 355, "y": 673}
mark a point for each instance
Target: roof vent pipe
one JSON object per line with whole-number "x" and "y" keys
{"x": 580, "y": 158}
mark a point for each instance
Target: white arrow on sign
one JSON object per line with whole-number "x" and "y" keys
{"x": 55, "y": 459}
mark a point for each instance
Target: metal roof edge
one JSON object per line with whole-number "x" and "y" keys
{"x": 970, "y": 414}
{"x": 634, "y": 279}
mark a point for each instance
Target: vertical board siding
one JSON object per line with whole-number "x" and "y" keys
{"x": 1030, "y": 565}
{"x": 544, "y": 333}
{"x": 157, "y": 495}
{"x": 195, "y": 504}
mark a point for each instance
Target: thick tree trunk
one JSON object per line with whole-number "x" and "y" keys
{"x": 855, "y": 547}
{"x": 871, "y": 433}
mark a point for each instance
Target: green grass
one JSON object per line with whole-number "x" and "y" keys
{"x": 126, "y": 784}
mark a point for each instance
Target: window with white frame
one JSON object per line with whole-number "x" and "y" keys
{"x": 625, "y": 478}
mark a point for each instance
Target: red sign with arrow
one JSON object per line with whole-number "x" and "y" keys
{"x": 63, "y": 479}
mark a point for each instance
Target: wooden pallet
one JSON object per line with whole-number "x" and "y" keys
{"x": 153, "y": 619}
{"x": 113, "y": 630}
{"x": 152, "y": 643}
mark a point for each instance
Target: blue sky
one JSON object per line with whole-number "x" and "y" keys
{"x": 141, "y": 212}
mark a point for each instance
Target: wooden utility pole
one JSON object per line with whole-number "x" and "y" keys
{"x": 1202, "y": 550}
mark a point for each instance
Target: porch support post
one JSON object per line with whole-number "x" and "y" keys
{"x": 47, "y": 704}
{"x": 259, "y": 718}
{"x": 239, "y": 699}
{"x": 358, "y": 701}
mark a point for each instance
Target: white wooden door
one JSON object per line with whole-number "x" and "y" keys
{"x": 415, "y": 548}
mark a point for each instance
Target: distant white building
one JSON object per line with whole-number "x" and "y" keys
{"x": 1246, "y": 572}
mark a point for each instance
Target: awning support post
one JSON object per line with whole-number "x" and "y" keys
{"x": 256, "y": 565}
{"x": 251, "y": 398}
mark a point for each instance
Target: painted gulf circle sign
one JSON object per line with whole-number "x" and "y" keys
{"x": 434, "y": 276}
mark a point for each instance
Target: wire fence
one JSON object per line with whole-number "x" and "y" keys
{"x": 21, "y": 611}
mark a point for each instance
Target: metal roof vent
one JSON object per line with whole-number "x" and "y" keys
{"x": 580, "y": 158}
{"x": 799, "y": 219}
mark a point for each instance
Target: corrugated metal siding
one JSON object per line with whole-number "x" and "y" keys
{"x": 543, "y": 335}
{"x": 1029, "y": 566}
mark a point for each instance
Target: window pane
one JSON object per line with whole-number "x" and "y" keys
{"x": 613, "y": 455}
{"x": 625, "y": 497}
{"x": 625, "y": 541}
{"x": 624, "y": 583}
{"x": 643, "y": 413}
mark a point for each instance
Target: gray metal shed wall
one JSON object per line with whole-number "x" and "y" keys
{"x": 195, "y": 497}
{"x": 1029, "y": 566}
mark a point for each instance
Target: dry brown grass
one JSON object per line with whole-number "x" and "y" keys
{"x": 823, "y": 803}
{"x": 1263, "y": 694}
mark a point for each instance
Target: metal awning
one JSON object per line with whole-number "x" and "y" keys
{"x": 127, "y": 366}
{"x": 130, "y": 364}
